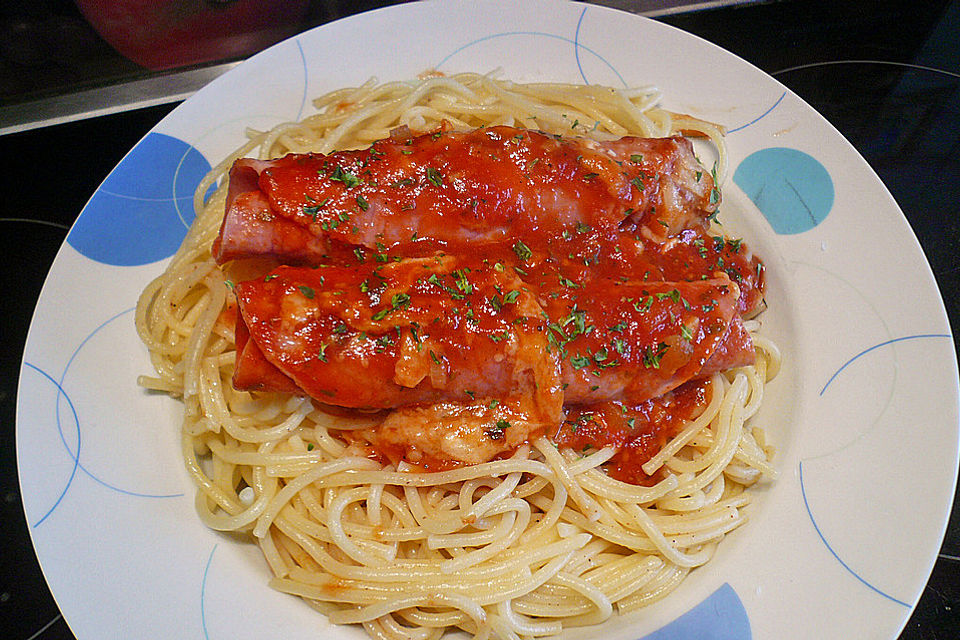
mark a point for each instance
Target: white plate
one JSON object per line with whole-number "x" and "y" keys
{"x": 864, "y": 414}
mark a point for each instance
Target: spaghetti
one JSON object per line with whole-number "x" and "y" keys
{"x": 515, "y": 547}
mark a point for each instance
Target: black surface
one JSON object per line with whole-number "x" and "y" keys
{"x": 887, "y": 75}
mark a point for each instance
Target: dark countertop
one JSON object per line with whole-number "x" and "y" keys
{"x": 886, "y": 74}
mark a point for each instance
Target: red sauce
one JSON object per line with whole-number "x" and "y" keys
{"x": 638, "y": 431}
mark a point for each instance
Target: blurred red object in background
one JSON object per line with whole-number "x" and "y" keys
{"x": 163, "y": 34}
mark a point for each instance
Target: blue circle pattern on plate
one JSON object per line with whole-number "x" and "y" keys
{"x": 806, "y": 503}
{"x": 141, "y": 212}
{"x": 792, "y": 189}
{"x": 75, "y": 453}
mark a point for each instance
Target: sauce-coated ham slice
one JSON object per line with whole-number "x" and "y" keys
{"x": 457, "y": 191}
{"x": 441, "y": 329}
{"x": 417, "y": 331}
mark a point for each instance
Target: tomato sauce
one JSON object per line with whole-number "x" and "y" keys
{"x": 638, "y": 431}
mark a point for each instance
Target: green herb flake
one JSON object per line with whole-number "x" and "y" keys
{"x": 348, "y": 179}
{"x": 523, "y": 251}
{"x": 463, "y": 283}
{"x": 645, "y": 306}
{"x": 398, "y": 301}
{"x": 715, "y": 191}
{"x": 619, "y": 345}
{"x": 653, "y": 355}
{"x": 306, "y": 291}
{"x": 434, "y": 177}
{"x": 579, "y": 362}
{"x": 673, "y": 294}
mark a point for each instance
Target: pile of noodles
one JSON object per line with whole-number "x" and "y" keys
{"x": 512, "y": 548}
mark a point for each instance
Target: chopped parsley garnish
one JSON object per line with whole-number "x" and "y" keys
{"x": 653, "y": 355}
{"x": 348, "y": 179}
{"x": 362, "y": 203}
{"x": 306, "y": 291}
{"x": 579, "y": 362}
{"x": 398, "y": 301}
{"x": 645, "y": 306}
{"x": 523, "y": 251}
{"x": 715, "y": 191}
{"x": 673, "y": 294}
{"x": 463, "y": 284}
{"x": 567, "y": 282}
{"x": 434, "y": 279}
{"x": 434, "y": 177}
